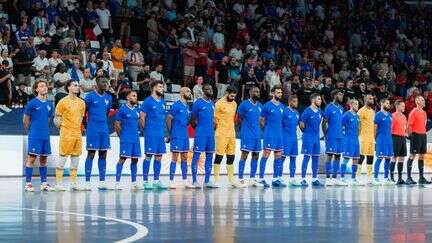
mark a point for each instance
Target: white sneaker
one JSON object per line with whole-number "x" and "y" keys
{"x": 376, "y": 182}
{"x": 211, "y": 184}
{"x": 102, "y": 186}
{"x": 87, "y": 186}
{"x": 45, "y": 187}
{"x": 255, "y": 183}
{"x": 369, "y": 182}
{"x": 60, "y": 188}
{"x": 194, "y": 185}
{"x": 5, "y": 108}
{"x": 388, "y": 182}
{"x": 330, "y": 182}
{"x": 29, "y": 187}
{"x": 74, "y": 187}
{"x": 342, "y": 182}
{"x": 136, "y": 186}
{"x": 354, "y": 182}
{"x": 172, "y": 185}
{"x": 117, "y": 187}
{"x": 242, "y": 183}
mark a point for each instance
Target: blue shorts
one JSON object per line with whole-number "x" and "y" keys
{"x": 384, "y": 150}
{"x": 97, "y": 140}
{"x": 251, "y": 144}
{"x": 179, "y": 145}
{"x": 351, "y": 150}
{"x": 273, "y": 144}
{"x": 311, "y": 146}
{"x": 154, "y": 145}
{"x": 204, "y": 144}
{"x": 290, "y": 147}
{"x": 130, "y": 150}
{"x": 334, "y": 145}
{"x": 39, "y": 147}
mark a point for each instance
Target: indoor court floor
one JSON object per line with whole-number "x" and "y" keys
{"x": 336, "y": 214}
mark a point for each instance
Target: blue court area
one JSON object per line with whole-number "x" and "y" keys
{"x": 342, "y": 214}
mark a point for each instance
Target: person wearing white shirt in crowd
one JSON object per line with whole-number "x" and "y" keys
{"x": 107, "y": 64}
{"x": 135, "y": 61}
{"x": 104, "y": 22}
{"x": 219, "y": 38}
{"x": 197, "y": 89}
{"x": 5, "y": 56}
{"x": 61, "y": 77}
{"x": 87, "y": 84}
{"x": 39, "y": 38}
{"x": 273, "y": 77}
{"x": 40, "y": 21}
{"x": 40, "y": 62}
{"x": 55, "y": 60}
{"x": 236, "y": 52}
{"x": 157, "y": 75}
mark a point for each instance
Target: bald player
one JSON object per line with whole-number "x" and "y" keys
{"x": 367, "y": 136}
{"x": 177, "y": 125}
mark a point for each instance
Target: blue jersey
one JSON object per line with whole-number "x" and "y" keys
{"x": 272, "y": 113}
{"x": 350, "y": 123}
{"x": 333, "y": 114}
{"x": 98, "y": 107}
{"x": 203, "y": 111}
{"x": 250, "y": 114}
{"x": 155, "y": 117}
{"x": 128, "y": 117}
{"x": 181, "y": 114}
{"x": 290, "y": 120}
{"x": 312, "y": 121}
{"x": 383, "y": 120}
{"x": 39, "y": 112}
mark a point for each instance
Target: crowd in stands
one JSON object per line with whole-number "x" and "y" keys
{"x": 380, "y": 47}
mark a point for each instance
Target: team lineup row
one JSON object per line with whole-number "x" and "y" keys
{"x": 354, "y": 135}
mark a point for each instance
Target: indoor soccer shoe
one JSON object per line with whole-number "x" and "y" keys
{"x": 60, "y": 188}
{"x": 102, "y": 186}
{"x": 45, "y": 187}
{"x": 330, "y": 182}
{"x": 158, "y": 185}
{"x": 172, "y": 185}
{"x": 242, "y": 183}
{"x": 278, "y": 183}
{"x": 341, "y": 182}
{"x": 317, "y": 183}
{"x": 136, "y": 186}
{"x": 74, "y": 187}
{"x": 423, "y": 181}
{"x": 148, "y": 186}
{"x": 304, "y": 183}
{"x": 376, "y": 182}
{"x": 388, "y": 182}
{"x": 255, "y": 183}
{"x": 29, "y": 187}
{"x": 294, "y": 182}
{"x": 264, "y": 184}
{"x": 117, "y": 187}
{"x": 354, "y": 182}
{"x": 410, "y": 181}
{"x": 194, "y": 185}
{"x": 400, "y": 182}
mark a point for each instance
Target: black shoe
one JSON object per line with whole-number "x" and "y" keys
{"x": 410, "y": 181}
{"x": 393, "y": 180}
{"x": 423, "y": 181}
{"x": 400, "y": 182}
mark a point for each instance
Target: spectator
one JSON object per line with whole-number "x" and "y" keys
{"x": 157, "y": 75}
{"x": 20, "y": 96}
{"x": 143, "y": 80}
{"x": 92, "y": 64}
{"x": 104, "y": 21}
{"x": 87, "y": 84}
{"x": 39, "y": 63}
{"x": 39, "y": 22}
{"x": 273, "y": 77}
{"x": 55, "y": 60}
{"x": 247, "y": 83}
{"x": 5, "y": 56}
{"x": 24, "y": 60}
{"x": 197, "y": 89}
{"x": 221, "y": 76}
{"x": 118, "y": 56}
{"x": 60, "y": 78}
{"x": 123, "y": 87}
{"x": 5, "y": 85}
{"x": 135, "y": 61}
{"x": 75, "y": 71}
{"x": 189, "y": 56}
{"x": 107, "y": 64}
{"x": 202, "y": 61}
{"x": 173, "y": 54}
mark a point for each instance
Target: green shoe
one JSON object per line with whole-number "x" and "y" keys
{"x": 159, "y": 186}
{"x": 148, "y": 186}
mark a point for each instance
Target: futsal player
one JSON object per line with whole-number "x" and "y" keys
{"x": 153, "y": 121}
{"x": 127, "y": 128}
{"x": 177, "y": 124}
{"x": 225, "y": 137}
{"x": 310, "y": 121}
{"x": 367, "y": 136}
{"x": 98, "y": 103}
{"x": 290, "y": 121}
{"x": 36, "y": 118}
{"x": 350, "y": 126}
{"x": 332, "y": 129}
{"x": 69, "y": 114}
{"x": 271, "y": 121}
{"x": 384, "y": 143}
{"x": 399, "y": 132}
{"x": 202, "y": 119}
{"x": 418, "y": 142}
{"x": 249, "y": 112}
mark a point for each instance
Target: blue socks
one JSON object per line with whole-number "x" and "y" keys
{"x": 183, "y": 167}
{"x": 276, "y": 167}
{"x": 328, "y": 168}
{"x": 28, "y": 173}
{"x": 262, "y": 167}
{"x": 208, "y": 167}
{"x": 315, "y": 166}
{"x": 119, "y": 169}
{"x": 386, "y": 167}
{"x": 194, "y": 166}
{"x": 254, "y": 167}
{"x": 172, "y": 170}
{"x": 281, "y": 163}
{"x": 292, "y": 166}
{"x": 377, "y": 167}
{"x": 146, "y": 169}
{"x": 354, "y": 171}
{"x": 102, "y": 169}
{"x": 336, "y": 165}
{"x": 305, "y": 165}
{"x": 88, "y": 168}
{"x": 344, "y": 167}
{"x": 43, "y": 173}
{"x": 156, "y": 169}
{"x": 134, "y": 169}
{"x": 242, "y": 164}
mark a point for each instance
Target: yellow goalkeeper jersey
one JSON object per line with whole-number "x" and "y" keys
{"x": 224, "y": 118}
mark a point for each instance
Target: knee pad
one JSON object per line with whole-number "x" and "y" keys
{"x": 74, "y": 162}
{"x": 230, "y": 159}
{"x": 61, "y": 162}
{"x": 218, "y": 159}
{"x": 369, "y": 160}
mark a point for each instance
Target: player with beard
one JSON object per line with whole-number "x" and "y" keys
{"x": 36, "y": 118}
{"x": 127, "y": 128}
{"x": 384, "y": 144}
{"x": 399, "y": 132}
{"x": 68, "y": 117}
{"x": 271, "y": 121}
{"x": 202, "y": 119}
{"x": 310, "y": 121}
{"x": 332, "y": 129}
{"x": 224, "y": 115}
{"x": 290, "y": 121}
{"x": 367, "y": 136}
{"x": 98, "y": 103}
{"x": 177, "y": 125}
{"x": 249, "y": 113}
{"x": 417, "y": 132}
{"x": 152, "y": 120}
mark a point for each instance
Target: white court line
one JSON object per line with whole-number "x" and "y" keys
{"x": 141, "y": 230}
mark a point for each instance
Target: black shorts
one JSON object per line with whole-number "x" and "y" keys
{"x": 418, "y": 143}
{"x": 399, "y": 146}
